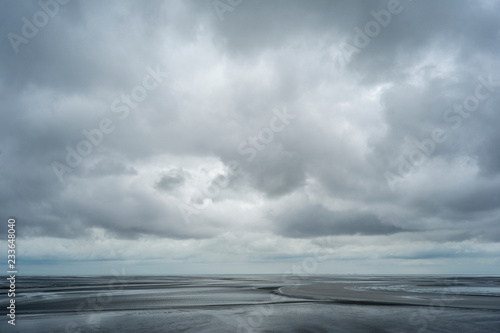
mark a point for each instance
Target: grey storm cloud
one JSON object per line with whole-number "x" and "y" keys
{"x": 316, "y": 221}
{"x": 172, "y": 179}
{"x": 364, "y": 105}
{"x": 107, "y": 167}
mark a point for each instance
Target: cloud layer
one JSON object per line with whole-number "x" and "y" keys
{"x": 249, "y": 132}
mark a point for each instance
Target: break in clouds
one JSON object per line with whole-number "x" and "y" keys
{"x": 247, "y": 131}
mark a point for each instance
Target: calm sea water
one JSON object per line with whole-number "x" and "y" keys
{"x": 255, "y": 303}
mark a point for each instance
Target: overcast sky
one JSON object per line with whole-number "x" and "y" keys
{"x": 177, "y": 137}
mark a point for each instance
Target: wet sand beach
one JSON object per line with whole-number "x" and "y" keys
{"x": 349, "y": 293}
{"x": 255, "y": 303}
